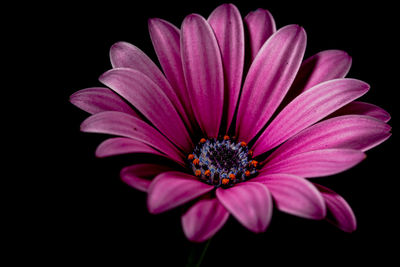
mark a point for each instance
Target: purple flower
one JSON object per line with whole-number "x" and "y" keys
{"x": 241, "y": 137}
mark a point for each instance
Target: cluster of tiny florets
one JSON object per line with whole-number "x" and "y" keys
{"x": 222, "y": 162}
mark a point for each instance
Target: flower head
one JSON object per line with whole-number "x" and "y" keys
{"x": 240, "y": 137}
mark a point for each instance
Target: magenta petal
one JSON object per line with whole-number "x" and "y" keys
{"x": 342, "y": 215}
{"x": 99, "y": 99}
{"x": 324, "y": 66}
{"x": 122, "y": 124}
{"x": 166, "y": 41}
{"x": 139, "y": 176}
{"x": 228, "y": 28}
{"x": 308, "y": 108}
{"x": 269, "y": 78}
{"x": 351, "y": 131}
{"x": 125, "y": 55}
{"x": 204, "y": 219}
{"x": 203, "y": 70}
{"x": 361, "y": 108}
{"x": 249, "y": 203}
{"x": 316, "y": 163}
{"x": 123, "y": 145}
{"x": 260, "y": 26}
{"x": 294, "y": 195}
{"x": 171, "y": 189}
{"x": 151, "y": 101}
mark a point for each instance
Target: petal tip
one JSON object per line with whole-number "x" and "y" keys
{"x": 258, "y": 11}
{"x": 103, "y": 77}
{"x": 98, "y": 154}
{"x": 296, "y": 31}
{"x": 295, "y": 27}
{"x": 116, "y": 47}
{"x": 195, "y": 239}
{"x": 118, "y": 51}
{"x": 84, "y": 125}
{"x": 226, "y": 6}
{"x": 73, "y": 98}
{"x": 152, "y": 22}
{"x": 345, "y": 55}
{"x": 350, "y": 229}
{"x": 339, "y": 55}
{"x": 257, "y": 215}
{"x": 192, "y": 18}
{"x": 151, "y": 206}
{"x": 259, "y": 229}
{"x": 119, "y": 45}
{"x": 357, "y": 84}
{"x": 122, "y": 174}
{"x": 365, "y": 86}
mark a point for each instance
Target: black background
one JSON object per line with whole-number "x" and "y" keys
{"x": 78, "y": 210}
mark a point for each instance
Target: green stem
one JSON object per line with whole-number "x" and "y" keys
{"x": 197, "y": 254}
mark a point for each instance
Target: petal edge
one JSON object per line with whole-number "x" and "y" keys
{"x": 249, "y": 203}
{"x": 171, "y": 189}
{"x": 204, "y": 219}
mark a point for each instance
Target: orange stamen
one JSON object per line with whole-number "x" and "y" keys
{"x": 232, "y": 176}
{"x": 225, "y": 181}
{"x": 247, "y": 173}
{"x": 254, "y": 163}
{"x": 243, "y": 144}
{"x": 226, "y": 137}
{"x": 250, "y": 153}
{"x": 196, "y": 162}
{"x": 203, "y": 140}
{"x": 197, "y": 173}
{"x": 207, "y": 173}
{"x": 190, "y": 157}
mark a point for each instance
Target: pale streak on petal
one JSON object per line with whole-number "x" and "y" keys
{"x": 228, "y": 28}
{"x": 202, "y": 66}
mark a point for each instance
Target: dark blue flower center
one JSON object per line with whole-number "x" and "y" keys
{"x": 222, "y": 162}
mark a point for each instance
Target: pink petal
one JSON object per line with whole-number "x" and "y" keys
{"x": 351, "y": 131}
{"x": 171, "y": 189}
{"x": 249, "y": 203}
{"x": 139, "y": 176}
{"x": 122, "y": 124}
{"x": 166, "y": 41}
{"x": 343, "y": 215}
{"x": 98, "y": 99}
{"x": 294, "y": 195}
{"x": 125, "y": 55}
{"x": 308, "y": 108}
{"x": 361, "y": 108}
{"x": 316, "y": 163}
{"x": 151, "y": 101}
{"x": 204, "y": 75}
{"x": 204, "y": 219}
{"x": 260, "y": 26}
{"x": 324, "y": 66}
{"x": 228, "y": 28}
{"x": 269, "y": 78}
{"x": 122, "y": 145}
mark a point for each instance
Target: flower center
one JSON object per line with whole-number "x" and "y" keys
{"x": 222, "y": 162}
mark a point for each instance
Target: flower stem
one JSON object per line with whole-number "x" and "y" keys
{"x": 197, "y": 254}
